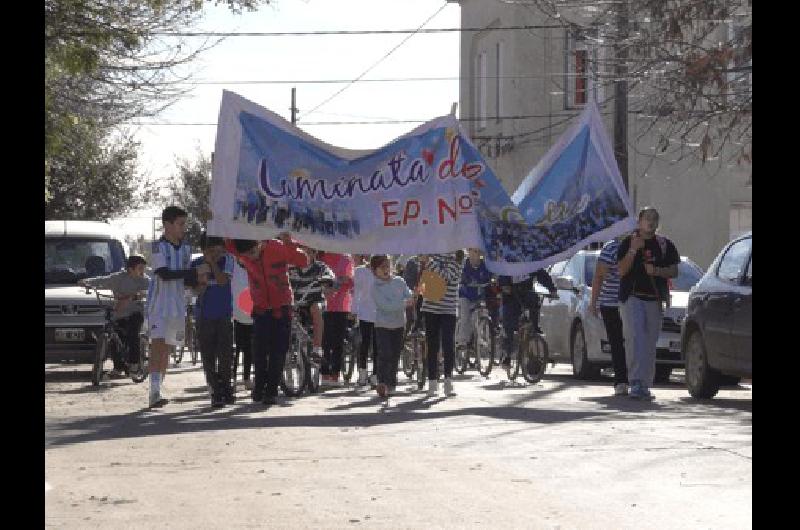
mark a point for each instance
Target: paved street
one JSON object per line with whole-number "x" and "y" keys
{"x": 559, "y": 454}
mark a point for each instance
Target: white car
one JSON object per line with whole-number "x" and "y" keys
{"x": 575, "y": 336}
{"x": 74, "y": 250}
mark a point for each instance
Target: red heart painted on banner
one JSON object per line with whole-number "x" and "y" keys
{"x": 427, "y": 154}
{"x": 479, "y": 183}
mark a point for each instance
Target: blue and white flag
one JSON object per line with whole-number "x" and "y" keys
{"x": 428, "y": 191}
{"x": 575, "y": 194}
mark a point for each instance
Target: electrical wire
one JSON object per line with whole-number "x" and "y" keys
{"x": 344, "y": 32}
{"x": 365, "y": 72}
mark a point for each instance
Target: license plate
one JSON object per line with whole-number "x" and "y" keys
{"x": 69, "y": 334}
{"x": 675, "y": 345}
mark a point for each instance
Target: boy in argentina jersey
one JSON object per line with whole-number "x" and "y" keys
{"x": 166, "y": 300}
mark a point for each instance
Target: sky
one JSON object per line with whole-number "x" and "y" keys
{"x": 311, "y": 58}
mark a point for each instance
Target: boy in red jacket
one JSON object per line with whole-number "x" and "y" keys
{"x": 266, "y": 263}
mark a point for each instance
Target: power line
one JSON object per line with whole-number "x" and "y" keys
{"x": 365, "y": 72}
{"x": 376, "y": 122}
{"x": 379, "y": 80}
{"x": 346, "y": 32}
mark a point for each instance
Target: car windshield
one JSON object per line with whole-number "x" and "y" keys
{"x": 588, "y": 268}
{"x": 688, "y": 275}
{"x": 69, "y": 259}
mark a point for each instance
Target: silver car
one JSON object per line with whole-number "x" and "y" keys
{"x": 576, "y": 336}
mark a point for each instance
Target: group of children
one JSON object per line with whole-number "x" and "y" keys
{"x": 284, "y": 276}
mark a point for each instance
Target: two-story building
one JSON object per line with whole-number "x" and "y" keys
{"x": 521, "y": 88}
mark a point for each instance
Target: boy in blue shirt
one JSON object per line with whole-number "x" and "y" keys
{"x": 213, "y": 314}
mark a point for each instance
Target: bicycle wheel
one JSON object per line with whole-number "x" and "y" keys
{"x": 407, "y": 359}
{"x": 421, "y": 361}
{"x": 534, "y": 363}
{"x": 484, "y": 345}
{"x": 99, "y": 359}
{"x": 141, "y": 373}
{"x": 512, "y": 368}
{"x": 293, "y": 379}
{"x": 461, "y": 359}
{"x": 352, "y": 343}
{"x": 313, "y": 374}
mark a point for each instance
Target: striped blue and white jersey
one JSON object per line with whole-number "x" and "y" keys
{"x": 609, "y": 291}
{"x": 445, "y": 266}
{"x": 167, "y": 298}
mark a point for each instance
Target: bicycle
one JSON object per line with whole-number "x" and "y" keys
{"x": 479, "y": 352}
{"x": 301, "y": 369}
{"x": 190, "y": 339}
{"x": 532, "y": 353}
{"x": 413, "y": 358}
{"x": 350, "y": 348}
{"x": 110, "y": 336}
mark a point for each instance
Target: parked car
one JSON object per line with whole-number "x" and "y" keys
{"x": 74, "y": 250}
{"x": 576, "y": 336}
{"x": 717, "y": 335}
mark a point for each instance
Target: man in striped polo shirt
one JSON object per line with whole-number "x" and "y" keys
{"x": 440, "y": 322}
{"x": 606, "y": 275}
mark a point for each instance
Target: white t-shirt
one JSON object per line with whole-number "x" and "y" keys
{"x": 363, "y": 302}
{"x": 167, "y": 298}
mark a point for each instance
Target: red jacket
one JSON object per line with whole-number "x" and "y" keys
{"x": 340, "y": 300}
{"x": 268, "y": 276}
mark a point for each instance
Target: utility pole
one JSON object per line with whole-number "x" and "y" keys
{"x": 294, "y": 108}
{"x": 621, "y": 93}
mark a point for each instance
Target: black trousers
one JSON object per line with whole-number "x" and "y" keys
{"x": 613, "y": 324}
{"x": 333, "y": 341}
{"x": 368, "y": 342}
{"x": 390, "y": 344}
{"x": 270, "y": 344}
{"x": 243, "y": 337}
{"x": 214, "y": 335}
{"x": 130, "y": 326}
{"x": 440, "y": 330}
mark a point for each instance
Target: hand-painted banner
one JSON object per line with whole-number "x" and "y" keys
{"x": 428, "y": 191}
{"x": 573, "y": 197}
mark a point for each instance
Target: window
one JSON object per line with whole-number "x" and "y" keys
{"x": 588, "y": 268}
{"x": 573, "y": 269}
{"x": 67, "y": 260}
{"x": 498, "y": 82}
{"x": 579, "y": 57}
{"x": 688, "y": 276}
{"x": 481, "y": 106}
{"x": 557, "y": 269}
{"x": 733, "y": 263}
{"x": 741, "y": 219}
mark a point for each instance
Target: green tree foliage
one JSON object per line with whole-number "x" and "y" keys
{"x": 107, "y": 61}
{"x": 190, "y": 189}
{"x": 93, "y": 175}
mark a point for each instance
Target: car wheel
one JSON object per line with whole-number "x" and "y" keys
{"x": 702, "y": 380}
{"x": 581, "y": 367}
{"x": 662, "y": 373}
{"x": 729, "y": 380}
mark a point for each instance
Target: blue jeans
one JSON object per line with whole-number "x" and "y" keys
{"x": 270, "y": 344}
{"x": 641, "y": 325}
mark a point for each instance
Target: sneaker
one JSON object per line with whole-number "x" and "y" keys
{"x": 248, "y": 384}
{"x": 448, "y": 387}
{"x": 157, "y": 400}
{"x": 383, "y": 390}
{"x": 636, "y": 391}
{"x": 620, "y": 389}
{"x": 363, "y": 376}
{"x": 646, "y": 394}
{"x": 433, "y": 387}
{"x": 217, "y": 401}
